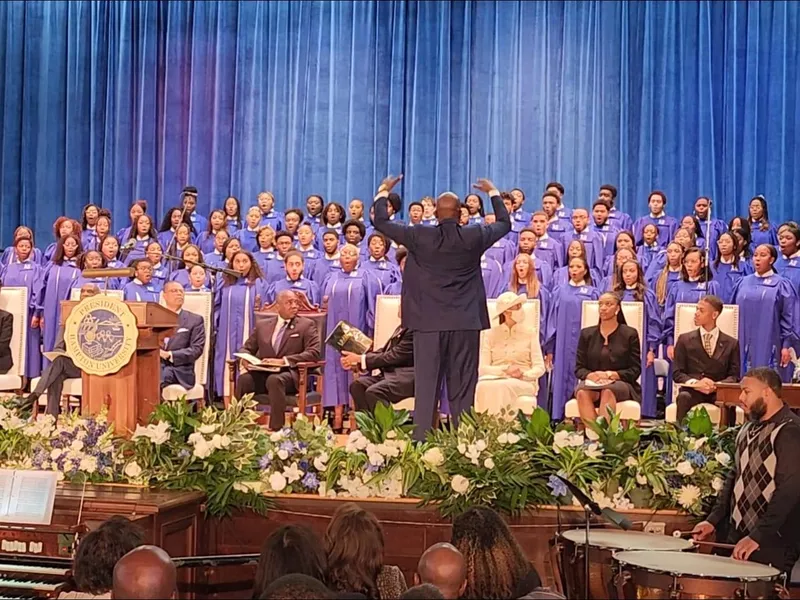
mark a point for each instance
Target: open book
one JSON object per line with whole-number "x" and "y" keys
{"x": 256, "y": 364}
{"x": 27, "y": 496}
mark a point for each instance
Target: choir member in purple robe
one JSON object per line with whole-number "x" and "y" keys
{"x": 493, "y": 281}
{"x": 474, "y": 205}
{"x": 632, "y": 287}
{"x": 415, "y": 212}
{"x": 712, "y": 230}
{"x": 429, "y": 211}
{"x": 527, "y": 245}
{"x": 141, "y": 287}
{"x": 354, "y": 233}
{"x": 768, "y": 316}
{"x": 295, "y": 280}
{"x": 25, "y": 271}
{"x": 102, "y": 229}
{"x": 276, "y": 268}
{"x": 137, "y": 209}
{"x": 56, "y": 284}
{"x": 761, "y": 230}
{"x": 556, "y": 227}
{"x": 685, "y": 238}
{"x": 623, "y": 240}
{"x": 591, "y": 239}
{"x": 333, "y": 217}
{"x": 292, "y": 219}
{"x": 235, "y": 303}
{"x": 788, "y": 263}
{"x": 351, "y": 292}
{"x": 740, "y": 227}
{"x": 547, "y": 249}
{"x": 161, "y": 268}
{"x": 729, "y": 267}
{"x": 329, "y": 259}
{"x": 216, "y": 222}
{"x": 520, "y": 218}
{"x": 265, "y": 253}
{"x": 10, "y": 254}
{"x": 610, "y": 281}
{"x": 63, "y": 226}
{"x": 314, "y": 206}
{"x": 691, "y": 224}
{"x": 649, "y": 249}
{"x": 198, "y": 280}
{"x": 189, "y": 205}
{"x": 216, "y": 258}
{"x": 619, "y": 219}
{"x": 564, "y": 328}
{"x": 561, "y": 275}
{"x": 562, "y": 212}
{"x": 503, "y": 251}
{"x": 306, "y": 245}
{"x": 396, "y": 287}
{"x": 89, "y": 216}
{"x": 92, "y": 259}
{"x": 383, "y": 270}
{"x": 109, "y": 248}
{"x": 667, "y": 226}
{"x": 248, "y": 235}
{"x": 269, "y": 216}
{"x": 141, "y": 236}
{"x": 601, "y": 225}
{"x": 660, "y": 281}
{"x": 191, "y": 256}
{"x": 179, "y": 241}
{"x": 233, "y": 214}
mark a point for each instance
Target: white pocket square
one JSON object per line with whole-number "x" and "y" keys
{"x": 182, "y": 330}
{"x": 294, "y": 335}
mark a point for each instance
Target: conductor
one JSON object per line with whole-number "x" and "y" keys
{"x": 443, "y": 298}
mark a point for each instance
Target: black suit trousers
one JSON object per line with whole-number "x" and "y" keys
{"x": 367, "y": 391}
{"x": 275, "y": 385}
{"x": 449, "y": 356}
{"x": 52, "y": 380}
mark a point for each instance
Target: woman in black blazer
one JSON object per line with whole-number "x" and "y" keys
{"x": 6, "y": 329}
{"x": 608, "y": 361}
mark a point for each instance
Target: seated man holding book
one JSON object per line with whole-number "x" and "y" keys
{"x": 268, "y": 356}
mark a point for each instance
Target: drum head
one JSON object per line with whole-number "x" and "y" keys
{"x": 697, "y": 565}
{"x": 627, "y": 540}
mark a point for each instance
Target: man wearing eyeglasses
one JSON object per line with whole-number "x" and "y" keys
{"x": 180, "y": 351}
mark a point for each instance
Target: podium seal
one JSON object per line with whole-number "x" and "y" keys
{"x": 100, "y": 335}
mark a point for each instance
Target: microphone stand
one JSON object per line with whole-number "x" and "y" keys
{"x": 708, "y": 239}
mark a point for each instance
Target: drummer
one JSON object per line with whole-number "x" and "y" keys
{"x": 759, "y": 505}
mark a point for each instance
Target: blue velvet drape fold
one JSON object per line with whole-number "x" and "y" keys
{"x": 109, "y": 102}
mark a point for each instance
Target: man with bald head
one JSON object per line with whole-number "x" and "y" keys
{"x": 182, "y": 349}
{"x": 443, "y": 566}
{"x": 443, "y": 298}
{"x": 60, "y": 369}
{"x": 144, "y": 573}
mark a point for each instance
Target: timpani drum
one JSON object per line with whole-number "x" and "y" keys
{"x": 669, "y": 575}
{"x": 602, "y": 545}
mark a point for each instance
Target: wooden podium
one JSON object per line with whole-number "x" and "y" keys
{"x": 131, "y": 393}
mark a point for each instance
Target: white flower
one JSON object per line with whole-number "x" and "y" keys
{"x": 133, "y": 470}
{"x": 203, "y": 449}
{"x": 55, "y": 453}
{"x": 513, "y": 438}
{"x": 576, "y": 439}
{"x": 688, "y": 496}
{"x": 208, "y": 428}
{"x": 283, "y": 454}
{"x": 488, "y": 463}
{"x": 593, "y": 450}
{"x": 685, "y": 468}
{"x": 699, "y": 443}
{"x": 473, "y": 453}
{"x": 141, "y": 432}
{"x": 322, "y": 490}
{"x": 220, "y": 441}
{"x": 641, "y": 479}
{"x": 240, "y": 487}
{"x": 433, "y": 457}
{"x": 390, "y": 435}
{"x": 592, "y": 435}
{"x": 88, "y": 464}
{"x": 76, "y": 445}
{"x": 502, "y": 439}
{"x": 276, "y": 436}
{"x": 723, "y": 458}
{"x": 717, "y": 483}
{"x": 462, "y": 448}
{"x": 292, "y": 473}
{"x": 375, "y": 459}
{"x": 277, "y": 482}
{"x": 631, "y": 462}
{"x": 459, "y": 484}
{"x": 564, "y": 439}
{"x": 356, "y": 441}
{"x": 480, "y": 445}
{"x": 159, "y": 433}
{"x": 196, "y": 438}
{"x": 320, "y": 463}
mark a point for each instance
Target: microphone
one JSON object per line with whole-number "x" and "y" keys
{"x": 126, "y": 249}
{"x": 609, "y": 514}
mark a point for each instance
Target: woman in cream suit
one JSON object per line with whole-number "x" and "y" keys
{"x": 511, "y": 360}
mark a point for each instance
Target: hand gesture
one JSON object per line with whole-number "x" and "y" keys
{"x": 514, "y": 372}
{"x": 164, "y": 355}
{"x": 651, "y": 357}
{"x": 389, "y": 182}
{"x": 671, "y": 352}
{"x": 350, "y": 360}
{"x": 35, "y": 322}
{"x": 745, "y": 548}
{"x": 483, "y": 185}
{"x": 706, "y": 385}
{"x": 702, "y": 531}
{"x": 548, "y": 362}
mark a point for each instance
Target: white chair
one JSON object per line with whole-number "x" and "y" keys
{"x": 15, "y": 301}
{"x": 75, "y": 294}
{"x": 199, "y": 303}
{"x": 728, "y": 323}
{"x": 634, "y": 316}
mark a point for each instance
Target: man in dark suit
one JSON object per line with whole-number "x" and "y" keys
{"x": 443, "y": 297}
{"x": 6, "y": 329}
{"x": 704, "y": 357}
{"x": 280, "y": 342}
{"x": 60, "y": 369}
{"x": 388, "y": 373}
{"x": 185, "y": 346}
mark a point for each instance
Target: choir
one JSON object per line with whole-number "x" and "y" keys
{"x": 560, "y": 255}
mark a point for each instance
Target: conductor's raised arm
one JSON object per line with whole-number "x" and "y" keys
{"x": 396, "y": 232}
{"x": 502, "y": 225}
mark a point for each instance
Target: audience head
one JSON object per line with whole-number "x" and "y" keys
{"x": 761, "y": 393}
{"x": 708, "y": 310}
{"x": 144, "y": 573}
{"x": 296, "y": 587}
{"x": 443, "y": 566}
{"x": 495, "y": 562}
{"x": 289, "y": 549}
{"x": 448, "y": 206}
{"x": 354, "y": 547}
{"x": 99, "y": 551}
{"x": 425, "y": 591}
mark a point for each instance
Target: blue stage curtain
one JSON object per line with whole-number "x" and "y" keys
{"x": 110, "y": 102}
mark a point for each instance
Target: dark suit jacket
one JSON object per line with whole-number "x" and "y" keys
{"x": 300, "y": 341}
{"x": 693, "y": 362}
{"x": 442, "y": 282}
{"x": 396, "y": 358}
{"x": 625, "y": 354}
{"x": 6, "y": 329}
{"x": 186, "y": 345}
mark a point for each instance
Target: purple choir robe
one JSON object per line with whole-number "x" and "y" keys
{"x": 502, "y": 251}
{"x": 350, "y": 298}
{"x": 620, "y": 220}
{"x": 758, "y": 237}
{"x": 672, "y": 277}
{"x": 564, "y": 213}
{"x": 123, "y": 234}
{"x": 383, "y": 270}
{"x": 137, "y": 252}
{"x": 49, "y": 252}
{"x": 521, "y": 218}
{"x": 788, "y": 268}
{"x": 559, "y": 230}
{"x": 234, "y": 312}
{"x": 161, "y": 275}
{"x": 248, "y": 239}
{"x": 593, "y": 244}
{"x": 667, "y": 226}
{"x": 429, "y": 221}
{"x": 310, "y": 256}
{"x": 551, "y": 251}
{"x": 323, "y": 267}
{"x": 275, "y": 269}
{"x": 165, "y": 238}
{"x": 769, "y": 321}
{"x": 28, "y": 274}
{"x": 89, "y": 239}
{"x": 728, "y": 276}
{"x": 337, "y": 228}
{"x": 314, "y": 220}
{"x": 564, "y": 330}
{"x": 263, "y": 257}
{"x": 56, "y": 284}
{"x": 9, "y": 256}
{"x": 543, "y": 272}
{"x": 199, "y": 222}
{"x": 475, "y": 219}
{"x": 561, "y": 277}
{"x": 205, "y": 241}
{"x": 394, "y": 289}
{"x": 608, "y": 235}
{"x": 303, "y": 285}
{"x": 715, "y": 229}
{"x": 232, "y": 225}
{"x": 182, "y": 277}
{"x": 652, "y": 340}
{"x": 492, "y": 273}
{"x": 646, "y": 254}
{"x": 273, "y": 218}
{"x": 214, "y": 259}
{"x": 135, "y": 291}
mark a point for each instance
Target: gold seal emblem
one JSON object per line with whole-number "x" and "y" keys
{"x": 100, "y": 335}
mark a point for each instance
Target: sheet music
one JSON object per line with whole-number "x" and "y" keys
{"x": 27, "y": 496}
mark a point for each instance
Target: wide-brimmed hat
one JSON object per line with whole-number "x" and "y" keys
{"x": 507, "y": 300}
